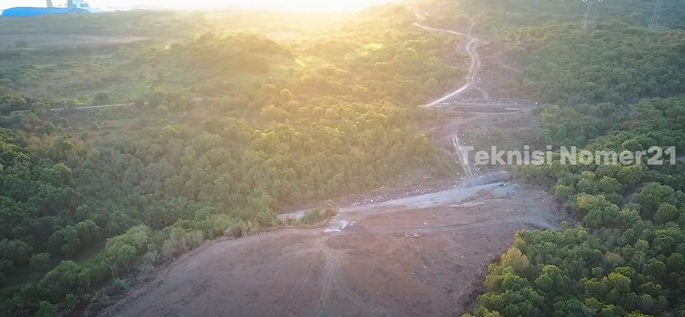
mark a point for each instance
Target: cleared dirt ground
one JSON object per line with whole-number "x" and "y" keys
{"x": 416, "y": 256}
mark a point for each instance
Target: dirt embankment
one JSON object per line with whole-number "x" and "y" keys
{"x": 417, "y": 256}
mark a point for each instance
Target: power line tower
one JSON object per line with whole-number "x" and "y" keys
{"x": 655, "y": 22}
{"x": 589, "y": 21}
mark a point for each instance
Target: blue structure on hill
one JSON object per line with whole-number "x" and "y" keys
{"x": 73, "y": 7}
{"x": 37, "y": 12}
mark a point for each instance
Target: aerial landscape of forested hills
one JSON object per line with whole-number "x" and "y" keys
{"x": 626, "y": 259}
{"x": 314, "y": 121}
{"x": 129, "y": 139}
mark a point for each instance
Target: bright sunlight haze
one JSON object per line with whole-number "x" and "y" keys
{"x": 279, "y": 5}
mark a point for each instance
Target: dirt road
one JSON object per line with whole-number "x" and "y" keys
{"x": 416, "y": 256}
{"x": 41, "y": 41}
{"x": 78, "y": 108}
{"x": 196, "y": 99}
{"x": 470, "y": 82}
{"x": 463, "y": 157}
{"x": 474, "y": 68}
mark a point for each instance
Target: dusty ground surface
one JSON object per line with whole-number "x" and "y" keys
{"x": 416, "y": 256}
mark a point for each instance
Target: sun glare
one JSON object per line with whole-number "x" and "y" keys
{"x": 277, "y": 5}
{"x": 306, "y": 5}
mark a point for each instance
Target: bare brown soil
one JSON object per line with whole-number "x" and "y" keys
{"x": 416, "y": 257}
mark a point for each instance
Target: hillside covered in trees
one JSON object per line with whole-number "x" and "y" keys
{"x": 617, "y": 88}
{"x": 213, "y": 124}
{"x": 85, "y": 201}
{"x": 626, "y": 258}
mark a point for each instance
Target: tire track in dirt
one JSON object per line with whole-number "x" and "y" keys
{"x": 334, "y": 282}
{"x": 463, "y": 157}
{"x": 530, "y": 221}
{"x": 483, "y": 92}
{"x": 326, "y": 287}
{"x": 296, "y": 290}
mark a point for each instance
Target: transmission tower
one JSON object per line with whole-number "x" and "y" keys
{"x": 589, "y": 22}
{"x": 655, "y": 22}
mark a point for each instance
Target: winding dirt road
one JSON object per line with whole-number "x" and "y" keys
{"x": 471, "y": 82}
{"x": 474, "y": 68}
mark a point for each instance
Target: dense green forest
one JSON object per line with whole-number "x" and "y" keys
{"x": 617, "y": 64}
{"x": 83, "y": 205}
{"x": 226, "y": 120}
{"x": 606, "y": 90}
{"x": 499, "y": 17}
{"x": 627, "y": 258}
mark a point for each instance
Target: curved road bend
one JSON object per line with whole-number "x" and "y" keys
{"x": 474, "y": 68}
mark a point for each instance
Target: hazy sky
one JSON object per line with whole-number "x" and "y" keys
{"x": 310, "y": 5}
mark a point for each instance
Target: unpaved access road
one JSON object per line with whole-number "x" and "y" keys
{"x": 415, "y": 256}
{"x": 474, "y": 67}
{"x": 471, "y": 82}
{"x": 40, "y": 41}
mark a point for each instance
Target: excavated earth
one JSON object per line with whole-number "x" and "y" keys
{"x": 416, "y": 256}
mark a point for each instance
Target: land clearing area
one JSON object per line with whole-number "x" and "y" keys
{"x": 416, "y": 256}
